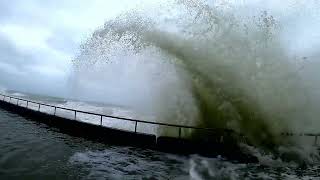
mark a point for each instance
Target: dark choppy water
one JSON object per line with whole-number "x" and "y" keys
{"x": 31, "y": 150}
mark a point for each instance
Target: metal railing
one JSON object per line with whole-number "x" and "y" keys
{"x": 102, "y": 116}
{"x": 137, "y": 121}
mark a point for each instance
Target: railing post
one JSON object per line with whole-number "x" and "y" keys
{"x": 10, "y": 100}
{"x": 135, "y": 128}
{"x": 179, "y": 132}
{"x": 39, "y": 108}
{"x": 27, "y": 104}
{"x": 101, "y": 121}
{"x": 55, "y": 111}
{"x": 75, "y": 115}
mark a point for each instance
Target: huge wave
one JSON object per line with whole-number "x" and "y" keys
{"x": 203, "y": 63}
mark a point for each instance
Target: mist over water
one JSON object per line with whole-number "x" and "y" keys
{"x": 211, "y": 64}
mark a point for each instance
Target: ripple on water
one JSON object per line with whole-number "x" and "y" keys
{"x": 131, "y": 163}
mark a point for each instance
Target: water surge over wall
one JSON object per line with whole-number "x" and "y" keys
{"x": 203, "y": 63}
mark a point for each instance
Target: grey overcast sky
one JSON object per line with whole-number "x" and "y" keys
{"x": 39, "y": 38}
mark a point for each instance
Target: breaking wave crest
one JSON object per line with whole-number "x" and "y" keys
{"x": 201, "y": 63}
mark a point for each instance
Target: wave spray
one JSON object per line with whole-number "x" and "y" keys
{"x": 204, "y": 63}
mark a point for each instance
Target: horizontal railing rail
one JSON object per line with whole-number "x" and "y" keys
{"x": 137, "y": 121}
